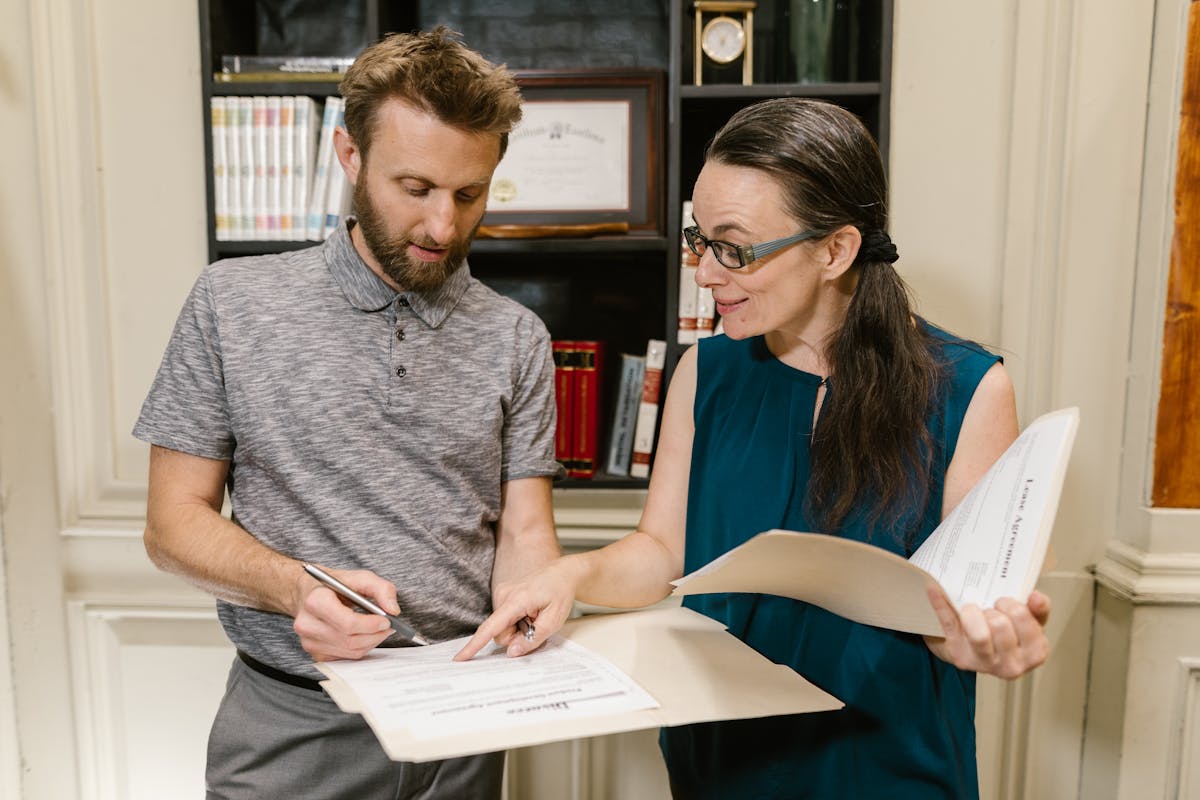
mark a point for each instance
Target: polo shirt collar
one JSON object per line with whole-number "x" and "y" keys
{"x": 366, "y": 291}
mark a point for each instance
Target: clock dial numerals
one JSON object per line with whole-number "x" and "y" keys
{"x": 724, "y": 39}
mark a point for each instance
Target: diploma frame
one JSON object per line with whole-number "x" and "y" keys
{"x": 638, "y": 90}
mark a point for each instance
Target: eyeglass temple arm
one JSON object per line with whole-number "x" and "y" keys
{"x": 750, "y": 253}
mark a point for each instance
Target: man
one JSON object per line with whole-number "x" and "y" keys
{"x": 372, "y": 409}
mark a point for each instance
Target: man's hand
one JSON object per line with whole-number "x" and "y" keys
{"x": 329, "y": 627}
{"x": 1006, "y": 641}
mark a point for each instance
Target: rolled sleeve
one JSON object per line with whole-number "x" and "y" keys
{"x": 528, "y": 434}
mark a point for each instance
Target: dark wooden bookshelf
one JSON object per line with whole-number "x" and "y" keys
{"x": 619, "y": 289}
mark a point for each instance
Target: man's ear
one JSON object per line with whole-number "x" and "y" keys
{"x": 839, "y": 250}
{"x": 348, "y": 154}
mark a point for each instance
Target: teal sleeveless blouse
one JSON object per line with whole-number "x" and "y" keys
{"x": 907, "y": 730}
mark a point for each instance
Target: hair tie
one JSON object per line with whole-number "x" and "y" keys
{"x": 877, "y": 246}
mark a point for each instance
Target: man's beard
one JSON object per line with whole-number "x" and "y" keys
{"x": 392, "y": 251}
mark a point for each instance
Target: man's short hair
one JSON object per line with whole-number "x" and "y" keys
{"x": 435, "y": 72}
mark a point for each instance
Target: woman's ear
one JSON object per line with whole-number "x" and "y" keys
{"x": 838, "y": 251}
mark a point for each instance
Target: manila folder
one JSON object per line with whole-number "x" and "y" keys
{"x": 689, "y": 663}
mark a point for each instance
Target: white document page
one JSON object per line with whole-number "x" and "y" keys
{"x": 690, "y": 665}
{"x": 421, "y": 690}
{"x": 991, "y": 546}
{"x": 993, "y": 543}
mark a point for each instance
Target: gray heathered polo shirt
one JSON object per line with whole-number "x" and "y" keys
{"x": 365, "y": 429}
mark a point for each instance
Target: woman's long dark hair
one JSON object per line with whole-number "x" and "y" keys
{"x": 872, "y": 449}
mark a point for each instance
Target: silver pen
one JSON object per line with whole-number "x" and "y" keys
{"x": 398, "y": 625}
{"x": 525, "y": 625}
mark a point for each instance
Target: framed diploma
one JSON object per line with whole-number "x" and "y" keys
{"x": 586, "y": 153}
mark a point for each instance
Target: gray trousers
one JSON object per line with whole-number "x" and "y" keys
{"x": 273, "y": 741}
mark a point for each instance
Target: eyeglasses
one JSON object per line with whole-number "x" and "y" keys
{"x": 736, "y": 256}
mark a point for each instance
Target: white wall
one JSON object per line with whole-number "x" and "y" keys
{"x": 1019, "y": 190}
{"x": 1016, "y": 168}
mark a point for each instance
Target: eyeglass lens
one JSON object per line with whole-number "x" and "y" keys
{"x": 725, "y": 252}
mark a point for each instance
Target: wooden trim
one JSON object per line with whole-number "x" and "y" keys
{"x": 1177, "y": 438}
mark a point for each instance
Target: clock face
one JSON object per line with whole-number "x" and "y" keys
{"x": 723, "y": 39}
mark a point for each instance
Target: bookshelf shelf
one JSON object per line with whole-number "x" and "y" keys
{"x": 632, "y": 244}
{"x": 622, "y": 290}
{"x": 244, "y": 88}
{"x": 258, "y": 248}
{"x": 602, "y": 481}
{"x": 764, "y": 91}
{"x": 614, "y": 245}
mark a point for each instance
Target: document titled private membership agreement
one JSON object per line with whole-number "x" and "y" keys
{"x": 422, "y": 690}
{"x": 601, "y": 674}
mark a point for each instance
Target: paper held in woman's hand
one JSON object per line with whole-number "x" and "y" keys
{"x": 991, "y": 545}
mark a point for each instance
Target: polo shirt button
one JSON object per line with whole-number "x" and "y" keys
{"x": 401, "y": 372}
{"x": 403, "y": 301}
{"x": 400, "y": 334}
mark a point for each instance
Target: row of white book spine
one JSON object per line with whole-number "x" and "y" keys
{"x": 697, "y": 311}
{"x": 275, "y": 173}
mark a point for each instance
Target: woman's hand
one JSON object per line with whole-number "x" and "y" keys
{"x": 545, "y": 598}
{"x": 1006, "y": 641}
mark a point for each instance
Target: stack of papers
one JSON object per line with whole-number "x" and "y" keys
{"x": 602, "y": 674}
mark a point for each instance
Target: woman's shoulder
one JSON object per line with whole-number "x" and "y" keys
{"x": 964, "y": 364}
{"x": 954, "y": 348}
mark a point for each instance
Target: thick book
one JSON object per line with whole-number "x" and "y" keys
{"x": 320, "y": 183}
{"x": 287, "y": 164}
{"x": 422, "y": 706}
{"x": 304, "y": 149}
{"x": 705, "y": 312}
{"x": 563, "y": 352}
{"x": 992, "y": 545}
{"x": 249, "y": 184}
{"x": 262, "y": 199}
{"x": 589, "y": 389}
{"x": 688, "y": 264}
{"x": 233, "y": 169}
{"x": 647, "y": 418}
{"x": 220, "y": 167}
{"x": 337, "y": 198}
{"x": 274, "y": 164}
{"x": 624, "y": 416}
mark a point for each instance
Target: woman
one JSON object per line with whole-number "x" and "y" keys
{"x": 829, "y": 406}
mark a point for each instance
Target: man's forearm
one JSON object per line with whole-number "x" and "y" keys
{"x": 525, "y": 536}
{"x": 213, "y": 553}
{"x": 518, "y": 556}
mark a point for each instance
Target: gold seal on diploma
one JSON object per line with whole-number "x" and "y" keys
{"x": 504, "y": 190}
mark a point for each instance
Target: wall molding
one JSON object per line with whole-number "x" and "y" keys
{"x": 1038, "y": 191}
{"x": 10, "y": 743}
{"x": 1143, "y": 578}
{"x": 77, "y": 269}
{"x": 1183, "y": 774}
{"x": 98, "y": 632}
{"x": 589, "y": 518}
{"x": 1156, "y": 216}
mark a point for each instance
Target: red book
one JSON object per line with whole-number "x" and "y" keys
{"x": 588, "y": 375}
{"x": 564, "y": 400}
